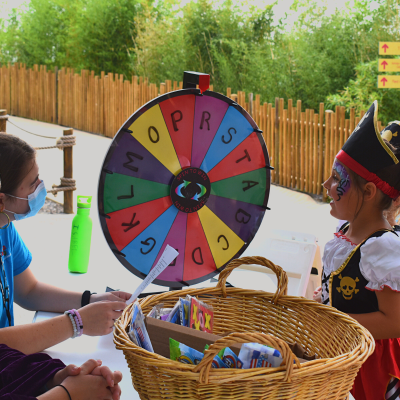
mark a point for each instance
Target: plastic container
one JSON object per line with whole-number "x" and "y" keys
{"x": 81, "y": 235}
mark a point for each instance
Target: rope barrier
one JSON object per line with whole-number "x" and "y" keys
{"x": 62, "y": 142}
{"x": 35, "y": 134}
{"x": 65, "y": 185}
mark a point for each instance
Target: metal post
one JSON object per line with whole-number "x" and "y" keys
{"x": 68, "y": 200}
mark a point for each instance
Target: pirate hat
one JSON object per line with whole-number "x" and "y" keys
{"x": 392, "y": 133}
{"x": 367, "y": 155}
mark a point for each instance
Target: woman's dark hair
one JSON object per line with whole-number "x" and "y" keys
{"x": 16, "y": 159}
{"x": 385, "y": 174}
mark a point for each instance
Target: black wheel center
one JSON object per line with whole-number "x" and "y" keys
{"x": 190, "y": 190}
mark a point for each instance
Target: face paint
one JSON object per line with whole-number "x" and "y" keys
{"x": 344, "y": 184}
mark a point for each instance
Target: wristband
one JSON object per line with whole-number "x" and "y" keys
{"x": 65, "y": 390}
{"x": 74, "y": 324}
{"x": 78, "y": 321}
{"x": 85, "y": 298}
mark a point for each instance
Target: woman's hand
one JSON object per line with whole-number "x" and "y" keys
{"x": 98, "y": 318}
{"x": 317, "y": 295}
{"x": 110, "y": 296}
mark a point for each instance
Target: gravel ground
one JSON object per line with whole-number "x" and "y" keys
{"x": 51, "y": 207}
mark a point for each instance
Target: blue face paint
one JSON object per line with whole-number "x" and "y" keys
{"x": 344, "y": 183}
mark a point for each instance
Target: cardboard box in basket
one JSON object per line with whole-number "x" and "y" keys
{"x": 160, "y": 332}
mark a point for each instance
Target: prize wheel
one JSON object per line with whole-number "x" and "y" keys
{"x": 190, "y": 170}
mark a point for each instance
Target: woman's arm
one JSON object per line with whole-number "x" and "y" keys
{"x": 33, "y": 338}
{"x": 34, "y": 295}
{"x": 385, "y": 323}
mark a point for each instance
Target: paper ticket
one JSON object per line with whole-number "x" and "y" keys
{"x": 166, "y": 258}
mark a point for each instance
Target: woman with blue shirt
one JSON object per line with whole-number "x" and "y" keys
{"x": 22, "y": 194}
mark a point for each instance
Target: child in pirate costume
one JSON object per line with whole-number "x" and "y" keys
{"x": 392, "y": 134}
{"x": 361, "y": 264}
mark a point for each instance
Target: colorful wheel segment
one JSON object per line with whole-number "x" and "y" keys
{"x": 190, "y": 170}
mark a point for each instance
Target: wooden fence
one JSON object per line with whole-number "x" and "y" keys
{"x": 302, "y": 144}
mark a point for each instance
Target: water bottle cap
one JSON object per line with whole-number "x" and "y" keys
{"x": 84, "y": 201}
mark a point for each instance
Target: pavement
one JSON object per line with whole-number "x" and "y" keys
{"x": 48, "y": 235}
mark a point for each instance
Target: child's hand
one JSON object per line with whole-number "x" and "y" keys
{"x": 112, "y": 378}
{"x": 317, "y": 295}
{"x": 69, "y": 370}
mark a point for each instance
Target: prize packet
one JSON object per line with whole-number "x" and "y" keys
{"x": 217, "y": 362}
{"x": 255, "y": 355}
{"x": 201, "y": 316}
{"x": 230, "y": 359}
{"x": 138, "y": 332}
{"x": 184, "y": 354}
{"x": 184, "y": 309}
{"x": 156, "y": 311}
{"x": 174, "y": 315}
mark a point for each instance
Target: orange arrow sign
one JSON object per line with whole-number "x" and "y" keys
{"x": 389, "y": 48}
{"x": 388, "y": 82}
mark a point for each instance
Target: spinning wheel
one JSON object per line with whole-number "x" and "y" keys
{"x": 190, "y": 170}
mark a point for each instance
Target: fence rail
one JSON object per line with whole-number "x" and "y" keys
{"x": 302, "y": 144}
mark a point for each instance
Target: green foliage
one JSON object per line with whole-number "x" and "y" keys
{"x": 325, "y": 53}
{"x": 103, "y": 37}
{"x": 362, "y": 91}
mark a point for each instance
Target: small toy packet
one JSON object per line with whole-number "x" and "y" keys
{"x": 184, "y": 354}
{"x": 156, "y": 311}
{"x": 138, "y": 332}
{"x": 217, "y": 362}
{"x": 184, "y": 310}
{"x": 174, "y": 315}
{"x": 255, "y": 355}
{"x": 201, "y": 316}
{"x": 230, "y": 359}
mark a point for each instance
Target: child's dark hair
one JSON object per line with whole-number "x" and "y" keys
{"x": 386, "y": 174}
{"x": 16, "y": 159}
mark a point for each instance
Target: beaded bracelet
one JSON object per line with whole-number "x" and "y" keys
{"x": 78, "y": 320}
{"x": 74, "y": 326}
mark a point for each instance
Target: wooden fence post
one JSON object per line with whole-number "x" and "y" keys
{"x": 68, "y": 199}
{"x": 3, "y": 120}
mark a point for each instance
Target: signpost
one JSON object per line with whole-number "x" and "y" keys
{"x": 389, "y": 48}
{"x": 389, "y": 65}
{"x": 388, "y": 81}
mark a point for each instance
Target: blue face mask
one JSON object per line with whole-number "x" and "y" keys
{"x": 35, "y": 200}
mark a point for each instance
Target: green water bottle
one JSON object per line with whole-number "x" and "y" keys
{"x": 81, "y": 235}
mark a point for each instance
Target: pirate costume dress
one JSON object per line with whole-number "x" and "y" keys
{"x": 352, "y": 273}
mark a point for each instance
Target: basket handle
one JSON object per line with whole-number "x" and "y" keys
{"x": 279, "y": 272}
{"x": 250, "y": 337}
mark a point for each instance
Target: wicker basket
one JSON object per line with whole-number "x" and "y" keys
{"x": 341, "y": 344}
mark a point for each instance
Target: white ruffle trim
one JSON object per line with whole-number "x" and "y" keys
{"x": 395, "y": 286}
{"x": 335, "y": 253}
{"x": 380, "y": 262}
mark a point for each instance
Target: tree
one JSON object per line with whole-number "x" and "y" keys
{"x": 103, "y": 37}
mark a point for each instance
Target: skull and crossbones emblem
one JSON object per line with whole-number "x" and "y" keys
{"x": 347, "y": 287}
